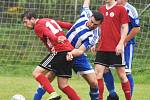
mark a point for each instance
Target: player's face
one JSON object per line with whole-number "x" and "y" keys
{"x": 28, "y": 23}
{"x": 120, "y": 2}
{"x": 93, "y": 24}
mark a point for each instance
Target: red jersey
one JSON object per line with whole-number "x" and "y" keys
{"x": 114, "y": 17}
{"x": 48, "y": 31}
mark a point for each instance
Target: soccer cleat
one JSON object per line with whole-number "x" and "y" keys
{"x": 113, "y": 98}
{"x": 54, "y": 96}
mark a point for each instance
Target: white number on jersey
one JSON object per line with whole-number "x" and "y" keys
{"x": 51, "y": 24}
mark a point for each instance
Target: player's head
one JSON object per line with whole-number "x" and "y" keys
{"x": 96, "y": 19}
{"x": 29, "y": 18}
{"x": 121, "y": 2}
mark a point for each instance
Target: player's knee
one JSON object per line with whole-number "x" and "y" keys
{"x": 99, "y": 75}
{"x": 94, "y": 84}
{"x": 62, "y": 86}
{"x": 35, "y": 73}
{"x": 123, "y": 78}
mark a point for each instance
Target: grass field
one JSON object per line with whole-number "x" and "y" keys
{"x": 25, "y": 85}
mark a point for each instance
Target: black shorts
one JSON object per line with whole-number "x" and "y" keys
{"x": 57, "y": 63}
{"x": 109, "y": 59}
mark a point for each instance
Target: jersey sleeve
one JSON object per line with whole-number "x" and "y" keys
{"x": 92, "y": 40}
{"x": 124, "y": 15}
{"x": 65, "y": 25}
{"x": 85, "y": 12}
{"x": 134, "y": 20}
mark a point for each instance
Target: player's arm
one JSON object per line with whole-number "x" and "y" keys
{"x": 124, "y": 31}
{"x": 135, "y": 22}
{"x": 88, "y": 43}
{"x": 79, "y": 51}
{"x": 65, "y": 25}
{"x": 136, "y": 27}
{"x": 124, "y": 18}
{"x": 120, "y": 46}
{"x": 49, "y": 47}
{"x": 86, "y": 3}
{"x": 132, "y": 33}
{"x": 75, "y": 52}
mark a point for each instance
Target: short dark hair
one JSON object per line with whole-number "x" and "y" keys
{"x": 98, "y": 16}
{"x": 28, "y": 15}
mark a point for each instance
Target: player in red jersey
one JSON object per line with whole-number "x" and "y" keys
{"x": 110, "y": 50}
{"x": 51, "y": 34}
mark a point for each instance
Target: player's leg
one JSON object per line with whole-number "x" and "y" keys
{"x": 117, "y": 62}
{"x": 39, "y": 93}
{"x": 109, "y": 82}
{"x": 101, "y": 62}
{"x": 39, "y": 75}
{"x": 40, "y": 90}
{"x": 92, "y": 81}
{"x": 67, "y": 89}
{"x": 99, "y": 74}
{"x": 40, "y": 72}
{"x": 130, "y": 78}
{"x": 124, "y": 82}
{"x": 129, "y": 52}
{"x": 84, "y": 68}
{"x": 63, "y": 70}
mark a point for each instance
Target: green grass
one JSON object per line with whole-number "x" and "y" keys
{"x": 11, "y": 85}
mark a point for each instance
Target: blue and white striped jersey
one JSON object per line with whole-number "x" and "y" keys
{"x": 134, "y": 20}
{"x": 80, "y": 34}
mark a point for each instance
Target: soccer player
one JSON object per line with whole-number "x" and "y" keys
{"x": 82, "y": 35}
{"x": 134, "y": 28}
{"x": 110, "y": 50}
{"x": 51, "y": 34}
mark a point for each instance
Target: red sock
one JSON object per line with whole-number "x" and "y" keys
{"x": 101, "y": 88}
{"x": 45, "y": 83}
{"x": 126, "y": 89}
{"x": 72, "y": 95}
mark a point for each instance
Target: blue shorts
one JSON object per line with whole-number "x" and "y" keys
{"x": 82, "y": 65}
{"x": 128, "y": 56}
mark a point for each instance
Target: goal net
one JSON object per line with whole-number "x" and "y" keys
{"x": 20, "y": 47}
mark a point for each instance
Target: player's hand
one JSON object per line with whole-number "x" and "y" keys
{"x": 125, "y": 42}
{"x": 61, "y": 39}
{"x": 69, "y": 56}
{"x": 53, "y": 50}
{"x": 119, "y": 49}
{"x": 93, "y": 50}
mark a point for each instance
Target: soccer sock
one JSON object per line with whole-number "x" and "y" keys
{"x": 109, "y": 81}
{"x": 39, "y": 93}
{"x": 129, "y": 76}
{"x": 126, "y": 89}
{"x": 94, "y": 93}
{"x": 101, "y": 88}
{"x": 72, "y": 95}
{"x": 45, "y": 83}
